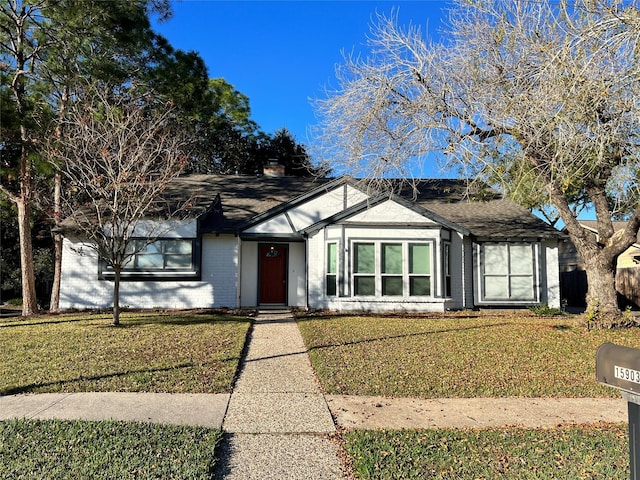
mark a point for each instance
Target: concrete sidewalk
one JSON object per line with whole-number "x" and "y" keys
{"x": 177, "y": 409}
{"x": 350, "y": 412}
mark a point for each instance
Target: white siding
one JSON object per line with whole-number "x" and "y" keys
{"x": 296, "y": 280}
{"x": 310, "y": 212}
{"x": 552, "y": 270}
{"x": 315, "y": 270}
{"x": 80, "y": 287}
{"x": 390, "y": 213}
{"x": 468, "y": 273}
{"x": 278, "y": 224}
{"x": 249, "y": 274}
{"x": 167, "y": 229}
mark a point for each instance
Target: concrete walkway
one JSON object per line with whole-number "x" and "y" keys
{"x": 277, "y": 422}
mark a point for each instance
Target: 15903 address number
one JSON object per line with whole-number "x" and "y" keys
{"x": 627, "y": 374}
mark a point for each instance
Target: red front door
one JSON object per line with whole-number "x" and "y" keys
{"x": 273, "y": 274}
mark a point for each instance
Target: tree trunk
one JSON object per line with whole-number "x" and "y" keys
{"x": 54, "y": 304}
{"x": 602, "y": 297}
{"x": 29, "y": 301}
{"x": 116, "y": 297}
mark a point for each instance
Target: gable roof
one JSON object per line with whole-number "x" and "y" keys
{"x": 242, "y": 201}
{"x": 236, "y": 200}
{"x": 482, "y": 211}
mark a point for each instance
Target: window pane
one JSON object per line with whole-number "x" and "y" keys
{"x": 155, "y": 247}
{"x": 447, "y": 259}
{"x": 420, "y": 286}
{"x": 364, "y": 285}
{"x": 521, "y": 257}
{"x": 177, "y": 246}
{"x": 364, "y": 258}
{"x": 496, "y": 287}
{"x": 522, "y": 288}
{"x": 392, "y": 258}
{"x": 419, "y": 258}
{"x": 332, "y": 258}
{"x": 391, "y": 285}
{"x": 495, "y": 259}
{"x": 148, "y": 260}
{"x": 331, "y": 285}
{"x": 178, "y": 261}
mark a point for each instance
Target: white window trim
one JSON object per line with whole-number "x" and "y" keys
{"x": 377, "y": 274}
{"x": 165, "y": 273}
{"x": 326, "y": 268}
{"x": 535, "y": 275}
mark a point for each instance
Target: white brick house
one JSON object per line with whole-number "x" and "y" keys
{"x": 330, "y": 244}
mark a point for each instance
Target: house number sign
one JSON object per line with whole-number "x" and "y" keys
{"x": 627, "y": 374}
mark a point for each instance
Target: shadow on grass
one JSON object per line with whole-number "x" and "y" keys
{"x": 377, "y": 339}
{"x": 32, "y": 322}
{"x": 133, "y": 321}
{"x": 177, "y": 320}
{"x": 408, "y": 335}
{"x": 34, "y": 387}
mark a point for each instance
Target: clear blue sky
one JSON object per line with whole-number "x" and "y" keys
{"x": 282, "y": 54}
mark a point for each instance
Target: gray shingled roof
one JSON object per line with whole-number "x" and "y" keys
{"x": 485, "y": 213}
{"x": 242, "y": 197}
{"x": 479, "y": 209}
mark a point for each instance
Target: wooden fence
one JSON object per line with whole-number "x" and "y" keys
{"x": 573, "y": 287}
{"x": 628, "y": 286}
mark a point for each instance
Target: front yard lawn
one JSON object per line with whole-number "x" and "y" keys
{"x": 176, "y": 353}
{"x": 458, "y": 355}
{"x": 125, "y": 450}
{"x": 577, "y": 452}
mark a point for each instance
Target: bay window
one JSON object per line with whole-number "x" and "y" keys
{"x": 391, "y": 269}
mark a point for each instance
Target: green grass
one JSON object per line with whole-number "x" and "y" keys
{"x": 459, "y": 355}
{"x": 585, "y": 452}
{"x": 176, "y": 353}
{"x": 32, "y": 449}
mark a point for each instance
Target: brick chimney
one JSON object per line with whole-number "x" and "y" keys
{"x": 273, "y": 169}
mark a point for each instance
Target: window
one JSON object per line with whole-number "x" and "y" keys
{"x": 163, "y": 258}
{"x": 392, "y": 269}
{"x": 399, "y": 269}
{"x": 364, "y": 268}
{"x": 332, "y": 269}
{"x": 446, "y": 264}
{"x": 419, "y": 269}
{"x": 508, "y": 271}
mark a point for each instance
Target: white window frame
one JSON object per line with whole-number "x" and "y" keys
{"x": 334, "y": 274}
{"x": 446, "y": 269}
{"x": 509, "y": 275}
{"x": 379, "y": 274}
{"x": 140, "y": 247}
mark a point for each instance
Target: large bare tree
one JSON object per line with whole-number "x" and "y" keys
{"x": 117, "y": 157}
{"x": 541, "y": 97}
